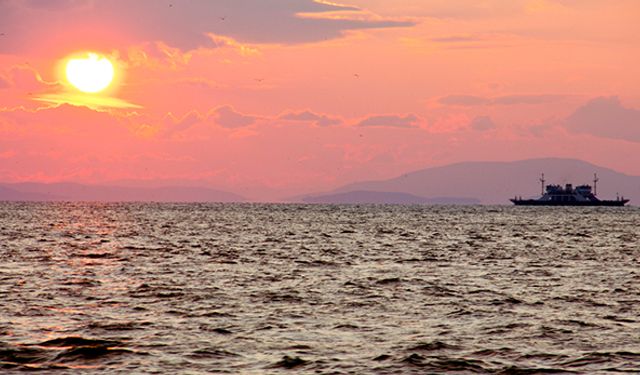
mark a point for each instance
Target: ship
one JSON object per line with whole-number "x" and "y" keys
{"x": 557, "y": 195}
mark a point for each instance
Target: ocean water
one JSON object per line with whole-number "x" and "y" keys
{"x": 260, "y": 289}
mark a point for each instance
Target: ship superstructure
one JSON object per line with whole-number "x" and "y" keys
{"x": 557, "y": 195}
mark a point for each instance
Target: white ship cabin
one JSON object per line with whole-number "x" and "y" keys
{"x": 583, "y": 190}
{"x": 557, "y": 193}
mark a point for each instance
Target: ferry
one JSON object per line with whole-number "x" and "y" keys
{"x": 556, "y": 195}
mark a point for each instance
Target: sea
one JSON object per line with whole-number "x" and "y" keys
{"x": 318, "y": 289}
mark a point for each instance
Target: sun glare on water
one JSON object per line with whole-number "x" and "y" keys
{"x": 90, "y": 74}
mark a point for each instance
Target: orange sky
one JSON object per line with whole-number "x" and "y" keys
{"x": 280, "y": 97}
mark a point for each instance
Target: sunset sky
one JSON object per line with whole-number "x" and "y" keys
{"x": 270, "y": 98}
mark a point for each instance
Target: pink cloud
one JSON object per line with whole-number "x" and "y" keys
{"x": 32, "y": 25}
{"x": 482, "y": 123}
{"x": 308, "y": 116}
{"x": 21, "y": 84}
{"x": 392, "y": 121}
{"x": 606, "y": 117}
{"x": 224, "y": 116}
{"x": 173, "y": 124}
{"x": 24, "y": 77}
{"x": 227, "y": 117}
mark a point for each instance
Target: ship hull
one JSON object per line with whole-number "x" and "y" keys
{"x": 535, "y": 202}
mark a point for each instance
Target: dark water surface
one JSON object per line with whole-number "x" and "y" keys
{"x": 253, "y": 289}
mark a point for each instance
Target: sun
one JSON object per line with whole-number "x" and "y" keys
{"x": 91, "y": 74}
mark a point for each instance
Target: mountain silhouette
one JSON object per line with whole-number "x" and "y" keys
{"x": 496, "y": 182}
{"x": 32, "y": 191}
{"x": 375, "y": 197}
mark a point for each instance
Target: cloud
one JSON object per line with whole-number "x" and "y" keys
{"x": 308, "y": 116}
{"x": 36, "y": 26}
{"x": 472, "y": 100}
{"x": 220, "y": 41}
{"x": 20, "y": 84}
{"x": 300, "y": 116}
{"x": 482, "y": 123}
{"x": 65, "y": 120}
{"x": 328, "y": 121}
{"x": 394, "y": 121}
{"x": 156, "y": 55}
{"x": 540, "y": 130}
{"x": 25, "y": 84}
{"x": 24, "y": 77}
{"x": 68, "y": 142}
{"x": 227, "y": 117}
{"x": 85, "y": 100}
{"x": 606, "y": 117}
{"x": 174, "y": 124}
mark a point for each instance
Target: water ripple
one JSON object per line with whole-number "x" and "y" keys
{"x": 254, "y": 289}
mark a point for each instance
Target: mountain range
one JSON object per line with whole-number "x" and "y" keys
{"x": 460, "y": 183}
{"x": 496, "y": 182}
{"x": 383, "y": 197}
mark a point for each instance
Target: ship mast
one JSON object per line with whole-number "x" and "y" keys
{"x": 542, "y": 181}
{"x": 595, "y": 183}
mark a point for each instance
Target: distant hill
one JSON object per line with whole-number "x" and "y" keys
{"x": 461, "y": 183}
{"x": 496, "y": 182}
{"x": 8, "y": 194}
{"x": 32, "y": 191}
{"x": 376, "y": 197}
